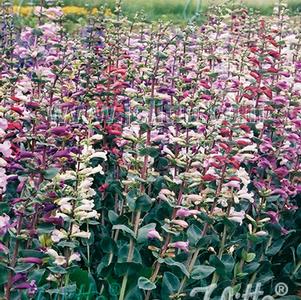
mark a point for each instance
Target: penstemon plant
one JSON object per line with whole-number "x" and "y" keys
{"x": 148, "y": 160}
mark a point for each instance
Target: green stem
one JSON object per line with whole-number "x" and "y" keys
{"x": 130, "y": 256}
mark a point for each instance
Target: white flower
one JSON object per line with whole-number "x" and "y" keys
{"x": 236, "y": 216}
{"x": 99, "y": 154}
{"x": 249, "y": 148}
{"x": 244, "y": 194}
{"x": 68, "y": 175}
{"x": 194, "y": 197}
{"x": 83, "y": 215}
{"x": 87, "y": 206}
{"x": 168, "y": 151}
{"x": 74, "y": 257}
{"x": 65, "y": 205}
{"x": 243, "y": 175}
{"x": 82, "y": 234}
{"x": 58, "y": 259}
{"x": 97, "y": 137}
{"x": 261, "y": 233}
{"x": 58, "y": 235}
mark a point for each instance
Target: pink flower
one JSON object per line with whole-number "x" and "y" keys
{"x": 5, "y": 149}
{"x": 4, "y": 224}
{"x": 180, "y": 223}
{"x": 3, "y": 124}
{"x": 3, "y": 249}
{"x": 180, "y": 245}
{"x": 184, "y": 212}
{"x": 3, "y": 180}
{"x": 154, "y": 234}
{"x": 54, "y": 13}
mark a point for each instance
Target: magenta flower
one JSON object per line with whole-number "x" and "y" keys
{"x": 60, "y": 131}
{"x": 31, "y": 260}
{"x": 274, "y": 216}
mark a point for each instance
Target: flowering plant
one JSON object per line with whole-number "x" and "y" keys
{"x": 142, "y": 161}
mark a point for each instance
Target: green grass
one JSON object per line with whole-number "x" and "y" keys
{"x": 170, "y": 9}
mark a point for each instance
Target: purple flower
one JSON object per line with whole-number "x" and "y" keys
{"x": 31, "y": 287}
{"x": 60, "y": 131}
{"x": 19, "y": 277}
{"x": 274, "y": 216}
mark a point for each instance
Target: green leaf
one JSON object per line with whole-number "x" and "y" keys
{"x": 275, "y": 247}
{"x": 112, "y": 217}
{"x": 45, "y": 228}
{"x": 20, "y": 268}
{"x": 228, "y": 262}
{"x": 124, "y": 229}
{"x": 123, "y": 255}
{"x": 143, "y": 231}
{"x": 143, "y": 203}
{"x": 169, "y": 261}
{"x": 145, "y": 284}
{"x": 194, "y": 234}
{"x": 114, "y": 289}
{"x": 134, "y": 294}
{"x": 50, "y": 173}
{"x": 102, "y": 265}
{"x": 131, "y": 199}
{"x": 57, "y": 270}
{"x": 218, "y": 264}
{"x": 67, "y": 244}
{"x": 37, "y": 275}
{"x": 170, "y": 285}
{"x": 3, "y": 275}
{"x": 250, "y": 257}
{"x": 66, "y": 290}
{"x": 84, "y": 282}
{"x": 299, "y": 251}
{"x": 201, "y": 272}
{"x": 251, "y": 268}
{"x": 108, "y": 245}
{"x": 150, "y": 151}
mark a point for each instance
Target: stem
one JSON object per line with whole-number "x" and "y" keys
{"x": 130, "y": 256}
{"x": 14, "y": 260}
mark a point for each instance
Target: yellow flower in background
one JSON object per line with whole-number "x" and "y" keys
{"x": 108, "y": 12}
{"x": 75, "y": 10}
{"x": 67, "y": 10}
{"x": 23, "y": 10}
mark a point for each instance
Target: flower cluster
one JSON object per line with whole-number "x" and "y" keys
{"x": 141, "y": 161}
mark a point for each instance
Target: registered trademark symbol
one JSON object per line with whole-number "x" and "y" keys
{"x": 281, "y": 289}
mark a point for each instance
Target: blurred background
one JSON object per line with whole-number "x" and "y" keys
{"x": 174, "y": 10}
